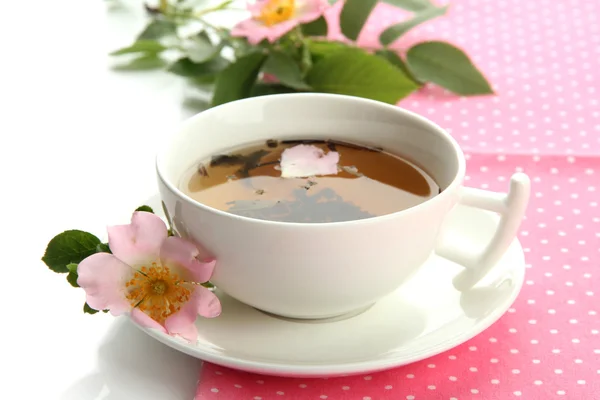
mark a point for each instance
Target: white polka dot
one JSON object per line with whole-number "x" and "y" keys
{"x": 517, "y": 393}
{"x": 345, "y": 387}
{"x": 473, "y": 369}
{"x": 214, "y": 390}
{"x": 302, "y": 386}
{"x": 537, "y": 382}
{"x": 280, "y": 393}
{"x": 323, "y": 396}
{"x": 558, "y": 371}
{"x": 581, "y": 382}
{"x": 494, "y": 360}
{"x": 431, "y": 387}
{"x": 452, "y": 378}
{"x": 237, "y": 386}
{"x": 474, "y": 391}
{"x": 410, "y": 376}
{"x": 495, "y": 381}
{"x": 561, "y": 392}
{"x": 387, "y": 387}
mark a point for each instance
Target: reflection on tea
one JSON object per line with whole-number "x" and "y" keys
{"x": 308, "y": 181}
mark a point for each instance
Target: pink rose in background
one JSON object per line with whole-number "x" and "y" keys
{"x": 154, "y": 277}
{"x": 272, "y": 19}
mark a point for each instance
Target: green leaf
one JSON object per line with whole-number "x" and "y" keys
{"x": 200, "y": 49}
{"x": 448, "y": 67}
{"x": 285, "y": 69}
{"x": 142, "y": 63}
{"x": 396, "y": 60}
{"x": 317, "y": 27}
{"x": 356, "y": 73}
{"x": 354, "y": 15}
{"x": 393, "y": 32}
{"x": 157, "y": 29}
{"x": 410, "y": 5}
{"x": 321, "y": 49}
{"x": 103, "y": 248}
{"x": 209, "y": 69}
{"x": 141, "y": 46}
{"x": 89, "y": 310}
{"x": 145, "y": 208}
{"x": 264, "y": 89}
{"x": 72, "y": 276}
{"x": 69, "y": 247}
{"x": 236, "y": 81}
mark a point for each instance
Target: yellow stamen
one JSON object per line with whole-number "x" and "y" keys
{"x": 157, "y": 291}
{"x": 276, "y": 11}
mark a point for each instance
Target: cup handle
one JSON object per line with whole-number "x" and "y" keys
{"x": 511, "y": 208}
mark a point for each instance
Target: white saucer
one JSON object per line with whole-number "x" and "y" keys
{"x": 423, "y": 318}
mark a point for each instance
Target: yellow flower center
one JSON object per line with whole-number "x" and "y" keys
{"x": 157, "y": 291}
{"x": 276, "y": 11}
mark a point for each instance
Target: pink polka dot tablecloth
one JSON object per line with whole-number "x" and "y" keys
{"x": 543, "y": 58}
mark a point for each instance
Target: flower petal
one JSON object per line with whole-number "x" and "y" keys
{"x": 310, "y": 10}
{"x": 203, "y": 302}
{"x": 142, "y": 319}
{"x": 184, "y": 253}
{"x": 139, "y": 241}
{"x": 103, "y": 276}
{"x": 306, "y": 160}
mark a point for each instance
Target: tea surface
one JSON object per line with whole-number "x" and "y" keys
{"x": 367, "y": 182}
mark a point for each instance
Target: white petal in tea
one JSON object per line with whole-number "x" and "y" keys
{"x": 303, "y": 160}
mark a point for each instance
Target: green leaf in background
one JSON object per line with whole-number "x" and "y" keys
{"x": 142, "y": 63}
{"x": 264, "y": 89}
{"x": 320, "y": 49}
{"x": 69, "y": 247}
{"x": 157, "y": 29}
{"x": 141, "y": 46}
{"x": 357, "y": 73}
{"x": 200, "y": 48}
{"x": 236, "y": 81}
{"x": 354, "y": 15}
{"x": 393, "y": 32}
{"x": 317, "y": 27}
{"x": 285, "y": 69}
{"x": 205, "y": 72}
{"x": 145, "y": 208}
{"x": 72, "y": 276}
{"x": 396, "y": 60}
{"x": 89, "y": 310}
{"x": 448, "y": 67}
{"x": 410, "y": 5}
{"x": 103, "y": 248}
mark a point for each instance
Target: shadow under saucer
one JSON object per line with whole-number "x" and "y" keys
{"x": 132, "y": 365}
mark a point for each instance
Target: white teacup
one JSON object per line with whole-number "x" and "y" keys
{"x": 321, "y": 270}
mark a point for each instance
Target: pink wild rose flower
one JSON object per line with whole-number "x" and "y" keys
{"x": 272, "y": 19}
{"x": 154, "y": 277}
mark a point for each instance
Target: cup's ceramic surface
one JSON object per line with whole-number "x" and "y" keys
{"x": 323, "y": 270}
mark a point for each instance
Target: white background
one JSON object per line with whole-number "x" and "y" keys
{"x": 78, "y": 142}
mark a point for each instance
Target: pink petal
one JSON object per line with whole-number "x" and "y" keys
{"x": 203, "y": 302}
{"x": 140, "y": 241}
{"x": 256, "y": 32}
{"x": 102, "y": 276}
{"x": 142, "y": 319}
{"x": 184, "y": 253}
{"x": 306, "y": 160}
{"x": 310, "y": 10}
